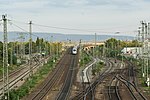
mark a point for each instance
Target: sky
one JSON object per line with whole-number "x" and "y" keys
{"x": 76, "y": 16}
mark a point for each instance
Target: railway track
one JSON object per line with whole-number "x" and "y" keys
{"x": 15, "y": 72}
{"x": 65, "y": 91}
{"x": 91, "y": 88}
{"x": 50, "y": 81}
{"x": 110, "y": 84}
{"x": 131, "y": 73}
{"x": 119, "y": 78}
{"x": 54, "y": 79}
{"x": 21, "y": 75}
{"x": 127, "y": 79}
{"x": 136, "y": 94}
{"x": 91, "y": 96}
{"x": 18, "y": 70}
{"x": 113, "y": 89}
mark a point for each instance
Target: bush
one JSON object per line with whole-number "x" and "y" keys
{"x": 97, "y": 68}
{"x": 31, "y": 83}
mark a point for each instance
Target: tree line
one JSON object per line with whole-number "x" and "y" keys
{"x": 18, "y": 50}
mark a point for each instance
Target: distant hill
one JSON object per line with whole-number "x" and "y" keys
{"x": 63, "y": 37}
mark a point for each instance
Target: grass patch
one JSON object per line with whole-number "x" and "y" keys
{"x": 98, "y": 67}
{"x": 85, "y": 59}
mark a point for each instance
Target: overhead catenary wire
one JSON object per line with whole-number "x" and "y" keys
{"x": 72, "y": 29}
{"x": 66, "y": 28}
{"x": 25, "y": 31}
{"x": 82, "y": 30}
{"x": 63, "y": 28}
{"x": 56, "y": 27}
{"x": 20, "y": 22}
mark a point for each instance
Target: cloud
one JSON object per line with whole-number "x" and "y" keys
{"x": 22, "y": 6}
{"x": 40, "y": 4}
{"x": 83, "y": 14}
{"x": 73, "y": 3}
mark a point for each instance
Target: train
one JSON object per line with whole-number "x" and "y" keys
{"x": 74, "y": 50}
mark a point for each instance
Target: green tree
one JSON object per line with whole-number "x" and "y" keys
{"x": 1, "y": 57}
{"x": 112, "y": 46}
{"x": 1, "y": 51}
{"x": 37, "y": 41}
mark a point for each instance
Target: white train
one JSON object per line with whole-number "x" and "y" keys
{"x": 74, "y": 50}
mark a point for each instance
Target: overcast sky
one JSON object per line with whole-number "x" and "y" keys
{"x": 87, "y": 16}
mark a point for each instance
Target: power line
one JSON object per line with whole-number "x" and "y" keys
{"x": 30, "y": 49}
{"x": 20, "y": 22}
{"x": 20, "y": 27}
{"x": 26, "y": 32}
{"x": 72, "y": 29}
{"x": 81, "y": 30}
{"x": 76, "y": 29}
{"x": 62, "y": 28}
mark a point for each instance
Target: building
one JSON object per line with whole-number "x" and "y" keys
{"x": 132, "y": 51}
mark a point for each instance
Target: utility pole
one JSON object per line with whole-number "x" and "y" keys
{"x": 45, "y": 48}
{"x": 52, "y": 49}
{"x": 80, "y": 51}
{"x": 21, "y": 37}
{"x": 5, "y": 60}
{"x": 30, "y": 48}
{"x": 146, "y": 50}
{"x": 104, "y": 48}
{"x": 148, "y": 31}
{"x": 145, "y": 40}
{"x": 116, "y": 45}
{"x": 142, "y": 34}
{"x": 11, "y": 60}
{"x": 40, "y": 45}
{"x": 139, "y": 41}
{"x": 57, "y": 49}
{"x": 148, "y": 55}
{"x": 94, "y": 50}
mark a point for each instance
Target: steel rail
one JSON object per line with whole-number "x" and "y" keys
{"x": 51, "y": 82}
{"x": 94, "y": 84}
{"x": 65, "y": 91}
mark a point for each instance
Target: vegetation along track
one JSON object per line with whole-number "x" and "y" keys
{"x": 20, "y": 75}
{"x": 52, "y": 78}
{"x": 22, "y": 67}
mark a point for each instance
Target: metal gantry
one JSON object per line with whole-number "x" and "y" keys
{"x": 144, "y": 38}
{"x": 5, "y": 60}
{"x": 30, "y": 48}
